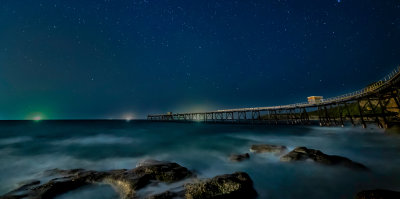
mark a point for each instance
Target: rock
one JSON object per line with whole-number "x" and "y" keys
{"x": 268, "y": 148}
{"x": 299, "y": 153}
{"x": 150, "y": 162}
{"x": 126, "y": 181}
{"x": 22, "y": 191}
{"x": 236, "y": 185}
{"x": 56, "y": 187}
{"x": 303, "y": 153}
{"x": 239, "y": 157}
{"x": 27, "y": 184}
{"x": 52, "y": 188}
{"x": 378, "y": 194}
{"x": 164, "y": 171}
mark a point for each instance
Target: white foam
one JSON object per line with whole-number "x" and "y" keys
{"x": 15, "y": 140}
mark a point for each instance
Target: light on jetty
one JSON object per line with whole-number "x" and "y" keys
{"x": 315, "y": 99}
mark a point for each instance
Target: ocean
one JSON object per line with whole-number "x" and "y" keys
{"x": 28, "y": 149}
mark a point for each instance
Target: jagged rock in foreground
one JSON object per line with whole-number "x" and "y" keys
{"x": 128, "y": 182}
{"x": 268, "y": 148}
{"x": 378, "y": 194}
{"x": 236, "y": 185}
{"x": 303, "y": 153}
{"x": 239, "y": 157}
{"x": 21, "y": 191}
{"x": 228, "y": 186}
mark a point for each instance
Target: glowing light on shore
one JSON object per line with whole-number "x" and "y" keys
{"x": 37, "y": 118}
{"x": 128, "y": 117}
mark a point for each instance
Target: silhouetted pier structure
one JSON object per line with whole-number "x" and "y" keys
{"x": 377, "y": 103}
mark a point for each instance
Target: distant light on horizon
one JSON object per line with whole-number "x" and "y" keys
{"x": 128, "y": 117}
{"x": 37, "y": 118}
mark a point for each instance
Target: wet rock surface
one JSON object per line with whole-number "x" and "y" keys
{"x": 236, "y": 185}
{"x": 128, "y": 182}
{"x": 239, "y": 157}
{"x": 303, "y": 153}
{"x": 21, "y": 191}
{"x": 268, "y": 148}
{"x": 378, "y": 194}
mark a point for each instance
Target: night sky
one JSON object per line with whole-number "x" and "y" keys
{"x": 74, "y": 59}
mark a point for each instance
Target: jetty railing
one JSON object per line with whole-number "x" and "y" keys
{"x": 376, "y": 97}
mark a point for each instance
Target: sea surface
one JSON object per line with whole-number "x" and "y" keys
{"x": 28, "y": 149}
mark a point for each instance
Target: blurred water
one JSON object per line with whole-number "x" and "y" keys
{"x": 28, "y": 148}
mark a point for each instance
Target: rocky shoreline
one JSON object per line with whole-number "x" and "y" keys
{"x": 304, "y": 154}
{"x": 299, "y": 154}
{"x": 129, "y": 182}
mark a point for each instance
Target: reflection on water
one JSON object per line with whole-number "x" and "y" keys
{"x": 27, "y": 149}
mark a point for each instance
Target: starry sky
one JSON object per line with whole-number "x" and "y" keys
{"x": 77, "y": 59}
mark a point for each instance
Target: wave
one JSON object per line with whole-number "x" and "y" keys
{"x": 15, "y": 140}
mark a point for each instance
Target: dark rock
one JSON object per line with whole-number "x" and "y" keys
{"x": 236, "y": 185}
{"x": 21, "y": 191}
{"x": 126, "y": 181}
{"x": 267, "y": 148}
{"x": 239, "y": 157}
{"x": 378, "y": 194}
{"x": 303, "y": 153}
{"x": 56, "y": 187}
{"x": 163, "y": 171}
{"x": 150, "y": 162}
{"x": 28, "y": 183}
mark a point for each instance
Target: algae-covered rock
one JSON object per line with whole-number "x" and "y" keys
{"x": 239, "y": 157}
{"x": 303, "y": 153}
{"x": 268, "y": 148}
{"x": 236, "y": 185}
{"x": 127, "y": 182}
